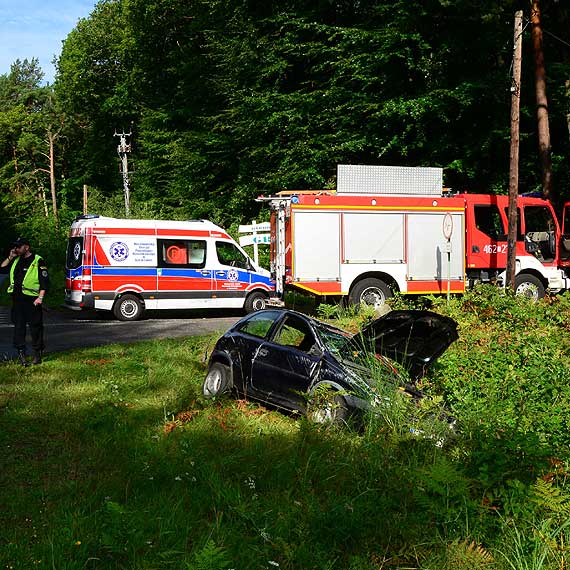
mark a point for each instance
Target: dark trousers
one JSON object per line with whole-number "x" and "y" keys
{"x": 24, "y": 312}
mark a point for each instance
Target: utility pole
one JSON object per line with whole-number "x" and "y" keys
{"x": 123, "y": 149}
{"x": 514, "y": 154}
{"x": 541, "y": 100}
{"x": 85, "y": 198}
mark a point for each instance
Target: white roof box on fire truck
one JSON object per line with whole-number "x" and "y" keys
{"x": 389, "y": 180}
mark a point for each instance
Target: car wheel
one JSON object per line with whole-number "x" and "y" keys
{"x": 373, "y": 292}
{"x": 128, "y": 308}
{"x": 217, "y": 381}
{"x": 530, "y": 286}
{"x": 327, "y": 407}
{"x": 256, "y": 301}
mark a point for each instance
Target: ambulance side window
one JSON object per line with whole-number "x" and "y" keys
{"x": 229, "y": 254}
{"x": 182, "y": 253}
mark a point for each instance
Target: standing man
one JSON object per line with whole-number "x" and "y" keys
{"x": 28, "y": 285}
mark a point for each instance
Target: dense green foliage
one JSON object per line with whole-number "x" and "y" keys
{"x": 114, "y": 460}
{"x": 229, "y": 99}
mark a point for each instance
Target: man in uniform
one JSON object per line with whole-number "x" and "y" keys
{"x": 28, "y": 284}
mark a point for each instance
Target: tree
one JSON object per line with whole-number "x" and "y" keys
{"x": 27, "y": 138}
{"x": 233, "y": 98}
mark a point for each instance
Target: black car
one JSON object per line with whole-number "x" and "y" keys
{"x": 287, "y": 359}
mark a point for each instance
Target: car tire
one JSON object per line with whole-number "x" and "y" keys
{"x": 527, "y": 285}
{"x": 371, "y": 291}
{"x": 327, "y": 408}
{"x": 218, "y": 380}
{"x": 128, "y": 308}
{"x": 256, "y": 301}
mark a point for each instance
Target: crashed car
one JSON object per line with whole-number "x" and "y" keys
{"x": 286, "y": 359}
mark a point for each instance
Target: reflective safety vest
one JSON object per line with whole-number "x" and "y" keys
{"x": 31, "y": 283}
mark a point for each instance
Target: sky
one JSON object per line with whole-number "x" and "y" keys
{"x": 36, "y": 28}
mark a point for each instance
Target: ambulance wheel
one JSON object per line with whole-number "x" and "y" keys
{"x": 373, "y": 292}
{"x": 128, "y": 308}
{"x": 256, "y": 301}
{"x": 530, "y": 286}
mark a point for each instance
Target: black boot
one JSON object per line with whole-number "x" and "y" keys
{"x": 37, "y": 357}
{"x": 22, "y": 358}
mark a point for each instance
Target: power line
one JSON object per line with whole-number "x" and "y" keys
{"x": 556, "y": 37}
{"x": 550, "y": 34}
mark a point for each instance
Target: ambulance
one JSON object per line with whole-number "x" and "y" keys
{"x": 129, "y": 266}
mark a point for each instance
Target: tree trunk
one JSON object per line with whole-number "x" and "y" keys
{"x": 541, "y": 101}
{"x": 43, "y": 200}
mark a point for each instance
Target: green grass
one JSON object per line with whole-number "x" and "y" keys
{"x": 112, "y": 459}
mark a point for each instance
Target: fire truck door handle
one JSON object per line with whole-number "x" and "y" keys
{"x": 475, "y": 249}
{"x": 221, "y": 273}
{"x": 205, "y": 273}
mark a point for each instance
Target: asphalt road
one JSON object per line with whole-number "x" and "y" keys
{"x": 65, "y": 330}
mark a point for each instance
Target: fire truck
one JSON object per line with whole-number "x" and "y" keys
{"x": 395, "y": 229}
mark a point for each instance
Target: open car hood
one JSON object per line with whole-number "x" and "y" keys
{"x": 414, "y": 339}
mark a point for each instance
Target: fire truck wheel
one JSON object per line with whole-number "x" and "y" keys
{"x": 373, "y": 292}
{"x": 256, "y": 301}
{"x": 217, "y": 381}
{"x": 128, "y": 308}
{"x": 530, "y": 286}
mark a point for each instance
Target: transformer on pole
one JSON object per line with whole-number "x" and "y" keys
{"x": 123, "y": 149}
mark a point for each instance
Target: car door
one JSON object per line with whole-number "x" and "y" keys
{"x": 284, "y": 366}
{"x": 247, "y": 339}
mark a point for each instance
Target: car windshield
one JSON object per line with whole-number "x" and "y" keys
{"x": 344, "y": 346}
{"x": 355, "y": 351}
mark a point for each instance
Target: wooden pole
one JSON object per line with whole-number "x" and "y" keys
{"x": 514, "y": 155}
{"x": 85, "y": 198}
{"x": 541, "y": 101}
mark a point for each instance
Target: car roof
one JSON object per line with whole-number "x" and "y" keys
{"x": 283, "y": 312}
